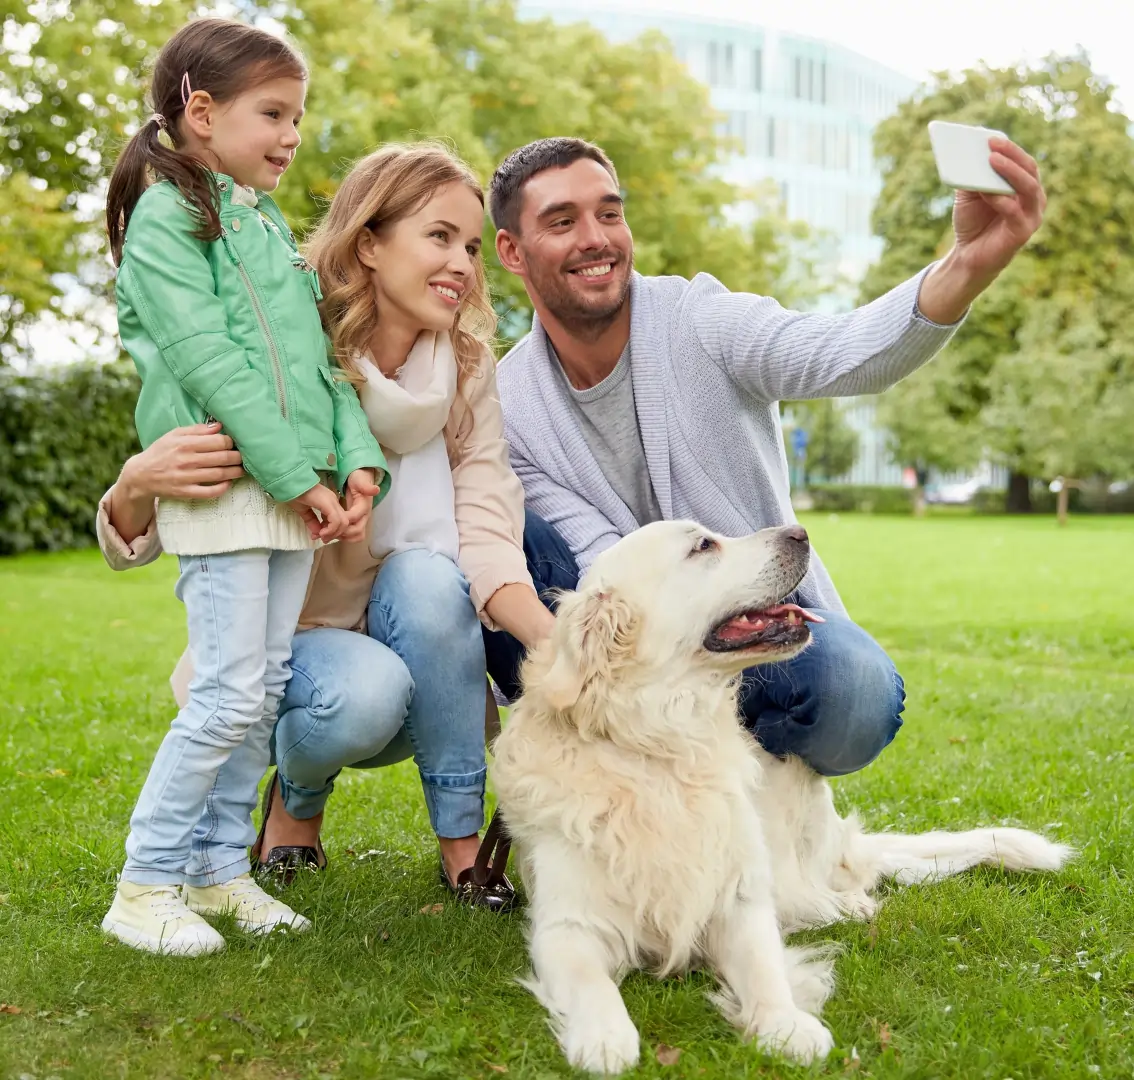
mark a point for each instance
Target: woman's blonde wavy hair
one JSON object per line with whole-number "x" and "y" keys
{"x": 386, "y": 186}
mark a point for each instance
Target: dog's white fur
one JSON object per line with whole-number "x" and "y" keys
{"x": 651, "y": 830}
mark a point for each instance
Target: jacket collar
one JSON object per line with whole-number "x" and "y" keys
{"x": 233, "y": 194}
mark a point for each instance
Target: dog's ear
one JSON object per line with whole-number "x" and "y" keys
{"x": 594, "y": 631}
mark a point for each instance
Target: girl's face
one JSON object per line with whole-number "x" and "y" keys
{"x": 253, "y": 137}
{"x": 422, "y": 266}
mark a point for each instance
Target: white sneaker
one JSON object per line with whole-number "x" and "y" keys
{"x": 154, "y": 918}
{"x": 256, "y": 911}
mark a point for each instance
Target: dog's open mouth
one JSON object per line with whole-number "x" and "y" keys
{"x": 776, "y": 627}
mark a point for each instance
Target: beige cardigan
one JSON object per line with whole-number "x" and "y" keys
{"x": 489, "y": 512}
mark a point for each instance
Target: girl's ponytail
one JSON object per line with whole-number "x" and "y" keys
{"x": 221, "y": 57}
{"x": 145, "y": 156}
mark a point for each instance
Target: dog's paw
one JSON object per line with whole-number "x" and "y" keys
{"x": 794, "y": 1034}
{"x": 857, "y": 904}
{"x": 607, "y": 1046}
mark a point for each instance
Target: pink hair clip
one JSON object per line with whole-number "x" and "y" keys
{"x": 186, "y": 89}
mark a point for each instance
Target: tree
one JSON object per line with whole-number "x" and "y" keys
{"x": 470, "y": 72}
{"x": 70, "y": 78}
{"x": 1065, "y": 116}
{"x": 924, "y": 431}
{"x": 1064, "y": 402}
{"x": 832, "y": 444}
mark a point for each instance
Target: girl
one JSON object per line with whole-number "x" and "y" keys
{"x": 219, "y": 312}
{"x": 407, "y": 308}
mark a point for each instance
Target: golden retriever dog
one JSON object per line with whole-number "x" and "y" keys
{"x": 650, "y": 828}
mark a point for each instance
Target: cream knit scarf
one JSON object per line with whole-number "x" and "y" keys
{"x": 408, "y": 417}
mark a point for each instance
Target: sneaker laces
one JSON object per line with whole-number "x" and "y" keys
{"x": 166, "y": 904}
{"x": 245, "y": 893}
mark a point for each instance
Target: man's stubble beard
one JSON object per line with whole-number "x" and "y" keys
{"x": 583, "y": 321}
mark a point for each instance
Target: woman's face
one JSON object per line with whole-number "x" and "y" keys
{"x": 422, "y": 266}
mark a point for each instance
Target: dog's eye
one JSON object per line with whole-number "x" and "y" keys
{"x": 705, "y": 544}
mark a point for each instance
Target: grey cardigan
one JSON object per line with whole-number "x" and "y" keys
{"x": 708, "y": 368}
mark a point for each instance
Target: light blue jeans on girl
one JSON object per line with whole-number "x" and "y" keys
{"x": 193, "y": 820}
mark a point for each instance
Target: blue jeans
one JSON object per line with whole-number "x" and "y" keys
{"x": 837, "y": 705}
{"x": 193, "y": 819}
{"x": 415, "y": 685}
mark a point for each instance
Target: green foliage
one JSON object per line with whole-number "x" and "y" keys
{"x": 63, "y": 438}
{"x": 71, "y": 90}
{"x": 37, "y": 241}
{"x": 71, "y": 73}
{"x": 1042, "y": 369}
{"x": 832, "y": 444}
{"x": 860, "y": 498}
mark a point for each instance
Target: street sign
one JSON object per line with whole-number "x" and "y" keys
{"x": 799, "y": 440}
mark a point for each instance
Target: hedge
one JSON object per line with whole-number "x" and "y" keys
{"x": 864, "y": 498}
{"x": 64, "y": 434}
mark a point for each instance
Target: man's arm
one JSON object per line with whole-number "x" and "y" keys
{"x": 585, "y": 530}
{"x": 777, "y": 354}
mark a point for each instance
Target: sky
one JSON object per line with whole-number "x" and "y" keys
{"x": 917, "y": 38}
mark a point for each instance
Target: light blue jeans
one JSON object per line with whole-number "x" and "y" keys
{"x": 193, "y": 820}
{"x": 414, "y": 685}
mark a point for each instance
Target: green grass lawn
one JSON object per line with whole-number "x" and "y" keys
{"x": 1015, "y": 641}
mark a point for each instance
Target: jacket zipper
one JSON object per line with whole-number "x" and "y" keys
{"x": 273, "y": 352}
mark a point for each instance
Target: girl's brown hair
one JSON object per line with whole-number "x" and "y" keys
{"x": 222, "y": 57}
{"x": 383, "y": 188}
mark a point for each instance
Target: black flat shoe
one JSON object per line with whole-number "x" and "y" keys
{"x": 285, "y": 861}
{"x": 498, "y": 896}
{"x": 484, "y": 884}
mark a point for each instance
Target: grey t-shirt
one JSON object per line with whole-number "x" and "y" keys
{"x": 609, "y": 421}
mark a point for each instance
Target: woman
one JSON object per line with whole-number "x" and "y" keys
{"x": 389, "y": 659}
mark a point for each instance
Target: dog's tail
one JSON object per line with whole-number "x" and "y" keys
{"x": 935, "y": 855}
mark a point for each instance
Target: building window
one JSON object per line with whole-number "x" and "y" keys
{"x": 757, "y": 70}
{"x": 754, "y": 142}
{"x": 797, "y": 72}
{"x": 771, "y": 136}
{"x": 823, "y": 82}
{"x": 722, "y": 65}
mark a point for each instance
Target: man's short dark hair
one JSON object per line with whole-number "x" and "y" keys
{"x": 506, "y": 189}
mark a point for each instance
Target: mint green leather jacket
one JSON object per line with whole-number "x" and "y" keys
{"x": 230, "y": 329}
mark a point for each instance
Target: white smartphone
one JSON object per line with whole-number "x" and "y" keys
{"x": 961, "y": 152}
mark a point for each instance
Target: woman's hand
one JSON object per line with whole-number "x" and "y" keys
{"x": 360, "y": 492}
{"x": 196, "y": 462}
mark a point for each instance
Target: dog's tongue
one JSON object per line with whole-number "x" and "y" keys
{"x": 780, "y": 611}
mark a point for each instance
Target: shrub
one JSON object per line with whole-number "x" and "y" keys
{"x": 64, "y": 435}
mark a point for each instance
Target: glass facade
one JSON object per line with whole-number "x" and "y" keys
{"x": 801, "y": 113}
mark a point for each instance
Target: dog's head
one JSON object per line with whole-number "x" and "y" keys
{"x": 674, "y": 602}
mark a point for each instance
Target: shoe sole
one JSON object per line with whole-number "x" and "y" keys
{"x": 128, "y": 935}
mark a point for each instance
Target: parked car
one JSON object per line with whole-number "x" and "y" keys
{"x": 955, "y": 494}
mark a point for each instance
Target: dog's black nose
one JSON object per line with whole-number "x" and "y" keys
{"x": 796, "y": 532}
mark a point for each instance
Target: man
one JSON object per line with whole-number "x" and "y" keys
{"x": 635, "y": 399}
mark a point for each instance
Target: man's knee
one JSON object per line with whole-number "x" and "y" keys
{"x": 837, "y": 706}
{"x": 854, "y": 723}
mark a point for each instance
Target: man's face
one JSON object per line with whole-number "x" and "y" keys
{"x": 574, "y": 249}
